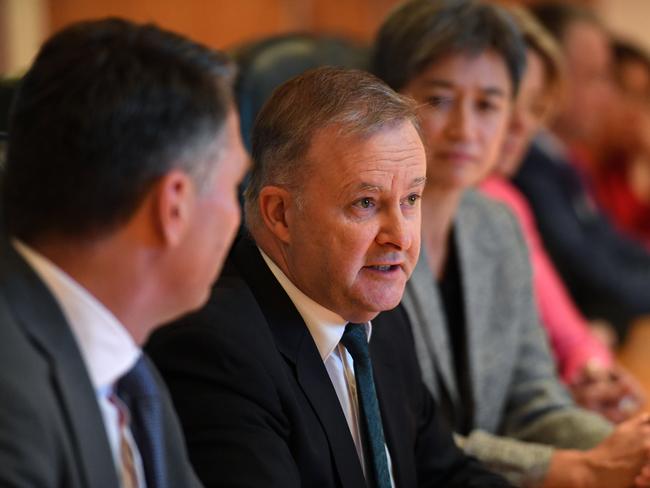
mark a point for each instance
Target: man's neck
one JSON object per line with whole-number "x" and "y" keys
{"x": 110, "y": 273}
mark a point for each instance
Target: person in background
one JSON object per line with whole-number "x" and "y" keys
{"x": 621, "y": 149}
{"x": 470, "y": 302}
{"x": 120, "y": 201}
{"x": 308, "y": 391}
{"x": 607, "y": 274}
{"x": 583, "y": 359}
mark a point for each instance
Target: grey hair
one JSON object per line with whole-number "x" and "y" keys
{"x": 354, "y": 101}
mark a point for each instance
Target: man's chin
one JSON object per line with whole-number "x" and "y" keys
{"x": 370, "y": 310}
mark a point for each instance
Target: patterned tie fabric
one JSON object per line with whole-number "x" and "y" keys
{"x": 139, "y": 392}
{"x": 128, "y": 476}
{"x": 356, "y": 342}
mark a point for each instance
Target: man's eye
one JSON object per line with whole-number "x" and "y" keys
{"x": 365, "y": 203}
{"x": 411, "y": 200}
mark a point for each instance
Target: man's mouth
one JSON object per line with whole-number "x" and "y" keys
{"x": 384, "y": 267}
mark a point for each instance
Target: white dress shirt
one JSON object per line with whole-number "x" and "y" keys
{"x": 327, "y": 328}
{"x": 107, "y": 349}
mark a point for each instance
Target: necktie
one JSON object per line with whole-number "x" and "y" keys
{"x": 128, "y": 475}
{"x": 139, "y": 392}
{"x": 355, "y": 341}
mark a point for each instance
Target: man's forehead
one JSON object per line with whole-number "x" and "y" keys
{"x": 369, "y": 186}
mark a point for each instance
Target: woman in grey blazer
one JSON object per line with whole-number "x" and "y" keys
{"x": 470, "y": 303}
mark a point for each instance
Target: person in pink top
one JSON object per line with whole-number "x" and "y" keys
{"x": 581, "y": 349}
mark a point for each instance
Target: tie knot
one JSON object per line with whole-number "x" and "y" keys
{"x": 137, "y": 383}
{"x": 355, "y": 341}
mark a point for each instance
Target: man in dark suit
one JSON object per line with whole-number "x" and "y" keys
{"x": 607, "y": 273}
{"x": 123, "y": 161}
{"x": 282, "y": 380}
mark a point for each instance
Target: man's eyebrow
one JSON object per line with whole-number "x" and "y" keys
{"x": 374, "y": 188}
{"x": 369, "y": 187}
{"x": 419, "y": 181}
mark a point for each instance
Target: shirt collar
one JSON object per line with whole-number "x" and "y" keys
{"x": 326, "y": 327}
{"x": 108, "y": 350}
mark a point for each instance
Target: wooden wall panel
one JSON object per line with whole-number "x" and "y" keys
{"x": 358, "y": 19}
{"x": 219, "y": 23}
{"x": 224, "y": 23}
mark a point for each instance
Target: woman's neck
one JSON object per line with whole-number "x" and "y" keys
{"x": 439, "y": 206}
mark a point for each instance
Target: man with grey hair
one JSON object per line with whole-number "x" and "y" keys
{"x": 282, "y": 380}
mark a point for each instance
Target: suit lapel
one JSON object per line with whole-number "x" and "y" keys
{"x": 296, "y": 344}
{"x": 40, "y": 315}
{"x": 476, "y": 269}
{"x": 388, "y": 383}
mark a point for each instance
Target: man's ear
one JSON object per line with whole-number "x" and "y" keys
{"x": 274, "y": 205}
{"x": 175, "y": 201}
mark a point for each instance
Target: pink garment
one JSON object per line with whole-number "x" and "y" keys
{"x": 572, "y": 342}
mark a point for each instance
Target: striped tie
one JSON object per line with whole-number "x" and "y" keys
{"x": 139, "y": 391}
{"x": 128, "y": 474}
{"x": 356, "y": 342}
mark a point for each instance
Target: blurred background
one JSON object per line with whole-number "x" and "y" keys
{"x": 24, "y": 24}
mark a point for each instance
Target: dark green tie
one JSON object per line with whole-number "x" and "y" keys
{"x": 356, "y": 342}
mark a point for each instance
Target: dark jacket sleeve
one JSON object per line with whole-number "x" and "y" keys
{"x": 608, "y": 275}
{"x": 226, "y": 398}
{"x": 438, "y": 460}
{"x": 460, "y": 469}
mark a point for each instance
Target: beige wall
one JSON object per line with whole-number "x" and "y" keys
{"x": 24, "y": 25}
{"x": 628, "y": 18}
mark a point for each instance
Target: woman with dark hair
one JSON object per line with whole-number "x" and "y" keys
{"x": 470, "y": 302}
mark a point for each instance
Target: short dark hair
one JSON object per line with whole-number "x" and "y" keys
{"x": 355, "y": 101}
{"x": 557, "y": 16}
{"x": 107, "y": 108}
{"x": 419, "y": 32}
{"x": 627, "y": 51}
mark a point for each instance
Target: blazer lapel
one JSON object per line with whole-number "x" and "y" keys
{"x": 422, "y": 302}
{"x": 388, "y": 383}
{"x": 475, "y": 254}
{"x": 296, "y": 344}
{"x": 43, "y": 320}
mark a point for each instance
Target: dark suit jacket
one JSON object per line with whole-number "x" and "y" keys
{"x": 51, "y": 430}
{"x": 258, "y": 407}
{"x": 608, "y": 275}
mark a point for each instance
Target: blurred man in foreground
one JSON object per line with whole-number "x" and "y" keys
{"x": 120, "y": 203}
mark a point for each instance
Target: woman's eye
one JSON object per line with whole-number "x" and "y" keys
{"x": 487, "y": 106}
{"x": 439, "y": 101}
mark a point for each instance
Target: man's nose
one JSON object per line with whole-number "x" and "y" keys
{"x": 396, "y": 231}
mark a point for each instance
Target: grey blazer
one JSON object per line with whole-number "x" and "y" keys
{"x": 520, "y": 406}
{"x": 52, "y": 434}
